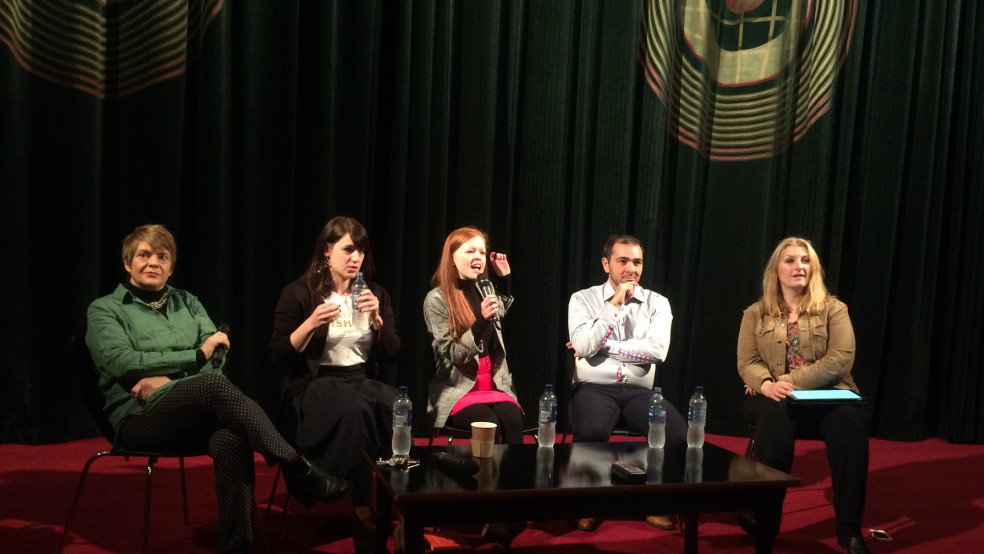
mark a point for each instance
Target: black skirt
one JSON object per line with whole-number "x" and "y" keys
{"x": 340, "y": 413}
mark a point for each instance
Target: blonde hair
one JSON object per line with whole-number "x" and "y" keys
{"x": 460, "y": 316}
{"x": 157, "y": 236}
{"x": 816, "y": 295}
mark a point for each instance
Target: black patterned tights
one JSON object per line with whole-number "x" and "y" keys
{"x": 209, "y": 414}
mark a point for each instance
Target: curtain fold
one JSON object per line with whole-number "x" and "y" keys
{"x": 549, "y": 125}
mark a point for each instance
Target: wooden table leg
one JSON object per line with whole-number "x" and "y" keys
{"x": 768, "y": 517}
{"x": 383, "y": 514}
{"x": 413, "y": 530}
{"x": 690, "y": 533}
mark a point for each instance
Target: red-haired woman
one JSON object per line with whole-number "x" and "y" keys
{"x": 472, "y": 380}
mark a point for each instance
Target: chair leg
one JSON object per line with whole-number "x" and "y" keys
{"x": 283, "y": 520}
{"x": 269, "y": 508}
{"x": 147, "y": 488}
{"x": 273, "y": 491}
{"x": 750, "y": 449}
{"x": 258, "y": 525}
{"x": 184, "y": 489}
{"x": 78, "y": 492}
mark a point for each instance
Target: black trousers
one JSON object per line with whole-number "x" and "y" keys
{"x": 507, "y": 417}
{"x": 210, "y": 414}
{"x": 596, "y": 409}
{"x": 844, "y": 431}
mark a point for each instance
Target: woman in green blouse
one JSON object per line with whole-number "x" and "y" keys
{"x": 154, "y": 348}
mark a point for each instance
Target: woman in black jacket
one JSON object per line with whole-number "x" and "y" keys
{"x": 324, "y": 339}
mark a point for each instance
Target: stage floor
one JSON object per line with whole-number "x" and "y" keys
{"x": 927, "y": 495}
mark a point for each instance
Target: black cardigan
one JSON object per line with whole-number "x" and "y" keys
{"x": 299, "y": 368}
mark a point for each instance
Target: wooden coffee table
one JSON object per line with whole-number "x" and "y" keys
{"x": 525, "y": 483}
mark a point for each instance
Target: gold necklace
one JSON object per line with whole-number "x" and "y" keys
{"x": 157, "y": 304}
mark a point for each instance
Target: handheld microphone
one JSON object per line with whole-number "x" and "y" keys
{"x": 486, "y": 288}
{"x": 454, "y": 464}
{"x": 219, "y": 353}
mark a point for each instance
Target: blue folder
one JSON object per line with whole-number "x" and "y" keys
{"x": 825, "y": 396}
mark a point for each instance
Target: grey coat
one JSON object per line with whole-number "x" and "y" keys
{"x": 456, "y": 362}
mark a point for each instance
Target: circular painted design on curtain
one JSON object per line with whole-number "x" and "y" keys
{"x": 106, "y": 49}
{"x": 743, "y": 79}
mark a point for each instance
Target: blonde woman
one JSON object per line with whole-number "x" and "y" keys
{"x": 799, "y": 336}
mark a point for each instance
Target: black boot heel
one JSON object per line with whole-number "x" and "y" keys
{"x": 308, "y": 484}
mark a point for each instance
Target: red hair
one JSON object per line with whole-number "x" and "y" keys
{"x": 460, "y": 316}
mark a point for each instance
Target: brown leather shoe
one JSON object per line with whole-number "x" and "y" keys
{"x": 589, "y": 523}
{"x": 503, "y": 533}
{"x": 661, "y": 522}
{"x": 399, "y": 538}
{"x": 364, "y": 530}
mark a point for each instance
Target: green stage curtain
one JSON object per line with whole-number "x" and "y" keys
{"x": 244, "y": 126}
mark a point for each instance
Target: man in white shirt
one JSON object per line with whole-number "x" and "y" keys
{"x": 620, "y": 333}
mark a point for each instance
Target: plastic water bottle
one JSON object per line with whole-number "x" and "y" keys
{"x": 546, "y": 434}
{"x": 544, "y": 467}
{"x": 657, "y": 419}
{"x": 402, "y": 424}
{"x": 694, "y": 470}
{"x": 654, "y": 465}
{"x": 360, "y": 320}
{"x": 697, "y": 416}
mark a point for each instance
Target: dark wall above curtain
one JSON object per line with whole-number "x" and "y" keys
{"x": 540, "y": 123}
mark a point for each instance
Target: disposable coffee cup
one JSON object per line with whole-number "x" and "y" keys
{"x": 482, "y": 439}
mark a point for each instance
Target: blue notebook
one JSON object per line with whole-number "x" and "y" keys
{"x": 825, "y": 396}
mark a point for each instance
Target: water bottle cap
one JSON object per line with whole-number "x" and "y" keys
{"x": 403, "y": 390}
{"x": 658, "y": 389}
{"x": 700, "y": 389}
{"x": 358, "y": 275}
{"x": 548, "y": 387}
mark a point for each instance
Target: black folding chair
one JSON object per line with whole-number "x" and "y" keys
{"x": 450, "y": 431}
{"x": 87, "y": 386}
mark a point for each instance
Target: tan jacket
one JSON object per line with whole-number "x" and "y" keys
{"x": 826, "y": 343}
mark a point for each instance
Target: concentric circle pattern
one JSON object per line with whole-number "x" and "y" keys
{"x": 743, "y": 79}
{"x": 103, "y": 47}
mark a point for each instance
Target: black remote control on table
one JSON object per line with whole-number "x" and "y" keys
{"x": 628, "y": 473}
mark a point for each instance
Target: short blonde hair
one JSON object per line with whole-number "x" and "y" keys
{"x": 157, "y": 236}
{"x": 816, "y": 292}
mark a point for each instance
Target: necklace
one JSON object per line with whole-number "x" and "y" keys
{"x": 158, "y": 304}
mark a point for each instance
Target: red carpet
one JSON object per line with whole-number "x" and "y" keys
{"x": 929, "y": 496}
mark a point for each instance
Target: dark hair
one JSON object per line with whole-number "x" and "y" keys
{"x": 619, "y": 239}
{"x": 316, "y": 276}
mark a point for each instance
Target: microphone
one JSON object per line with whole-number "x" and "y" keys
{"x": 219, "y": 353}
{"x": 485, "y": 286}
{"x": 454, "y": 464}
